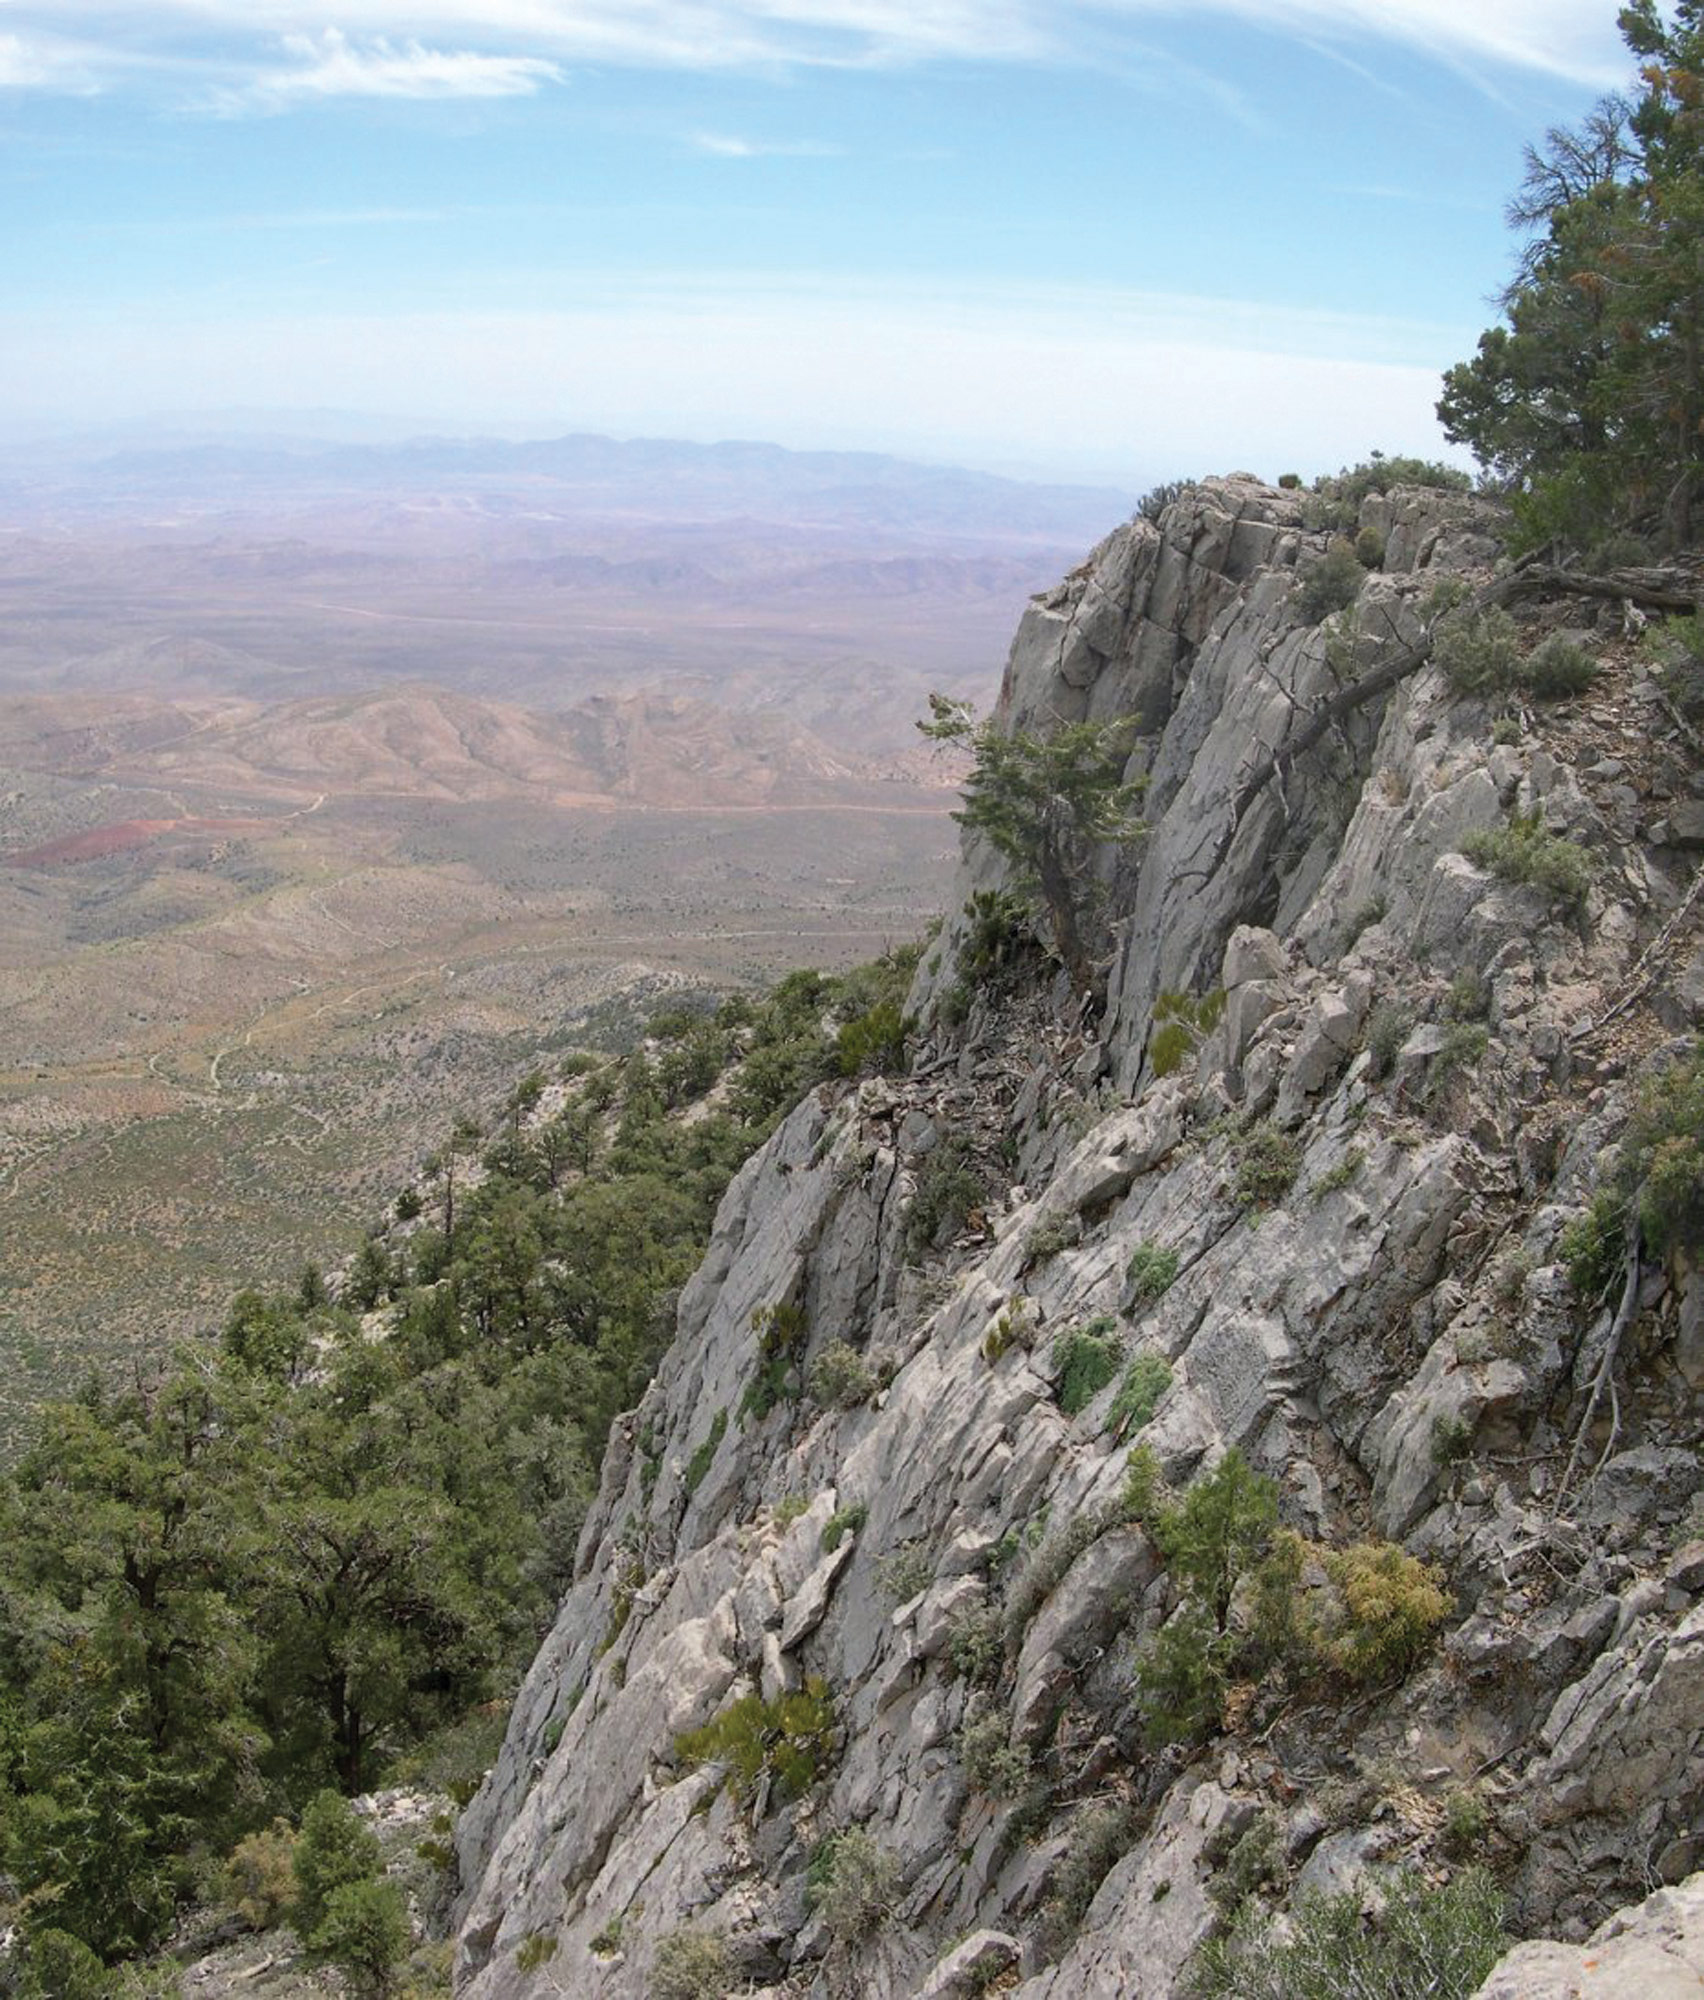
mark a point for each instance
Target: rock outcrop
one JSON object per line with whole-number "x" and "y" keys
{"x": 1329, "y": 1238}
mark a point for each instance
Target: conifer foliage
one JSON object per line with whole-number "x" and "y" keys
{"x": 1589, "y": 397}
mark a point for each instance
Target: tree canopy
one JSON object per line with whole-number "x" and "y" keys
{"x": 1588, "y": 398}
{"x": 1044, "y": 803}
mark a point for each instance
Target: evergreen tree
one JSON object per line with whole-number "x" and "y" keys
{"x": 1588, "y": 401}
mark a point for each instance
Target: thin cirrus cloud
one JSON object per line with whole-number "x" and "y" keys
{"x": 330, "y": 65}
{"x": 730, "y": 146}
{"x": 495, "y": 48}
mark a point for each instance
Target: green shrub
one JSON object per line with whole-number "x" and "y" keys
{"x": 335, "y": 1849}
{"x": 789, "y": 1508}
{"x": 691, "y": 1965}
{"x": 950, "y": 1187}
{"x": 1463, "y": 1048}
{"x": 1267, "y": 1163}
{"x": 1478, "y": 652}
{"x": 1157, "y": 499}
{"x": 843, "y": 1522}
{"x": 787, "y": 1740}
{"x": 1662, "y": 1156}
{"x": 1331, "y": 584}
{"x": 365, "y": 1931}
{"x": 1100, "y": 1835}
{"x": 1042, "y": 1570}
{"x": 1222, "y": 1525}
{"x": 907, "y": 1572}
{"x": 993, "y": 1764}
{"x": 1289, "y": 482}
{"x": 1391, "y": 1607}
{"x": 874, "y": 1043}
{"x": 782, "y": 1331}
{"x": 1469, "y": 997}
{"x": 840, "y": 1377}
{"x": 852, "y": 1883}
{"x": 1467, "y": 1822}
{"x": 1255, "y": 1862}
{"x": 1146, "y": 1380}
{"x": 1144, "y": 1488}
{"x": 1048, "y": 1236}
{"x": 701, "y": 1460}
{"x": 1452, "y": 1440}
{"x": 1182, "y": 1675}
{"x": 1370, "y": 548}
{"x": 607, "y": 1942}
{"x": 1151, "y": 1271}
{"x": 1086, "y": 1359}
{"x": 1180, "y": 1022}
{"x": 58, "y": 1966}
{"x": 1424, "y": 1944}
{"x": 1340, "y": 1175}
{"x": 259, "y": 1880}
{"x": 1557, "y": 667}
{"x": 1388, "y": 1027}
{"x": 1523, "y": 852}
{"x": 976, "y": 1648}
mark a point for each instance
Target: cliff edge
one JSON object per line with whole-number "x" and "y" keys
{"x": 893, "y": 1665}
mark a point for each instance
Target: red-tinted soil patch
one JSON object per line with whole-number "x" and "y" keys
{"x": 118, "y": 838}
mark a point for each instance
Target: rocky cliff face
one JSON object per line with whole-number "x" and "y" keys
{"x": 1329, "y": 1236}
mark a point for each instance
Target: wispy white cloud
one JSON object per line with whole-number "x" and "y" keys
{"x": 43, "y": 63}
{"x": 728, "y": 146}
{"x": 387, "y": 47}
{"x": 331, "y": 65}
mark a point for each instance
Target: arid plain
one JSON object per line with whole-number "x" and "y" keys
{"x": 338, "y": 786}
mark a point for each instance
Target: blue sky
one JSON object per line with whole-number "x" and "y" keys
{"x": 1118, "y": 238}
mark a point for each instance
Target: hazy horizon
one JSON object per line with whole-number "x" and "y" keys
{"x": 1101, "y": 239}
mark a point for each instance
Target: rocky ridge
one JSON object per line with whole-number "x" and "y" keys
{"x": 1361, "y": 1206}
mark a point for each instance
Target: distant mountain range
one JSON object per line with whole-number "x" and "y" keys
{"x": 651, "y": 478}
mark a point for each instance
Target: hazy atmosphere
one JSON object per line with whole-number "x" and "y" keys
{"x": 1115, "y": 240}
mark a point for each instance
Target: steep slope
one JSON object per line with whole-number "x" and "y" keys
{"x": 1328, "y": 1239}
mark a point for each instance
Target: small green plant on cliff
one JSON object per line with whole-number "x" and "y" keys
{"x": 950, "y": 1187}
{"x": 1334, "y": 500}
{"x": 700, "y": 1461}
{"x": 976, "y": 1647}
{"x": 1267, "y": 1163}
{"x": 788, "y": 1740}
{"x": 1388, "y": 1027}
{"x": 1392, "y": 1605}
{"x": 852, "y": 1883}
{"x": 1086, "y": 1359}
{"x": 691, "y": 1965}
{"x": 1150, "y": 1272}
{"x": 1523, "y": 852}
{"x": 1478, "y": 652}
{"x": 1146, "y": 1380}
{"x": 1331, "y": 584}
{"x": 1046, "y": 804}
{"x": 843, "y": 1522}
{"x": 782, "y": 1331}
{"x": 1048, "y": 1236}
{"x": 907, "y": 1572}
{"x": 535, "y": 1949}
{"x": 840, "y": 1377}
{"x": 993, "y": 1764}
{"x": 1424, "y": 1944}
{"x": 1180, "y": 1022}
{"x": 1101, "y": 1833}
